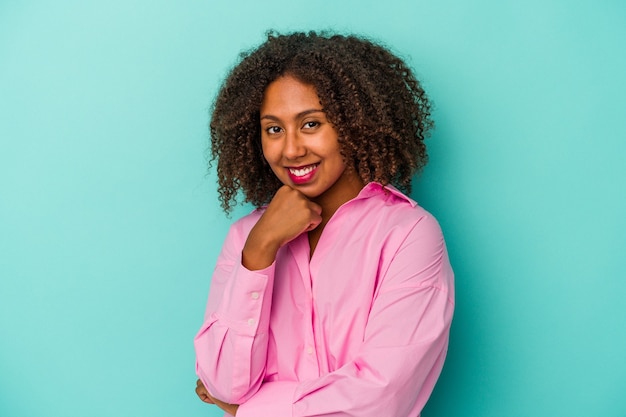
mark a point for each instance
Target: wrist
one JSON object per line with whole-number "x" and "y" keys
{"x": 258, "y": 255}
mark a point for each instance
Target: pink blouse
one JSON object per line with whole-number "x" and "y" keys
{"x": 360, "y": 329}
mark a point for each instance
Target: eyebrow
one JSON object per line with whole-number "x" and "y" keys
{"x": 298, "y": 116}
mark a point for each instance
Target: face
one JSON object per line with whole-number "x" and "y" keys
{"x": 300, "y": 144}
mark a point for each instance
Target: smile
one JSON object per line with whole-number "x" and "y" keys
{"x": 301, "y": 172}
{"x": 302, "y": 175}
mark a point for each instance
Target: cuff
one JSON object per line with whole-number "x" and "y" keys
{"x": 247, "y": 300}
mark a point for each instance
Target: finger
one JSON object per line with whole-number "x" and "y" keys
{"x": 204, "y": 397}
{"x": 316, "y": 208}
{"x": 314, "y": 223}
{"x": 208, "y": 399}
{"x": 316, "y": 215}
{"x": 203, "y": 393}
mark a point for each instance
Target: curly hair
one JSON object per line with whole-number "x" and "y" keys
{"x": 377, "y": 106}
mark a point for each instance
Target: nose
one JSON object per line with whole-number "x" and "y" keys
{"x": 294, "y": 146}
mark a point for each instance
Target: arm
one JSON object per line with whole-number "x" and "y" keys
{"x": 403, "y": 350}
{"x": 231, "y": 346}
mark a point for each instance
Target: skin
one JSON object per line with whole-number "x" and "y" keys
{"x": 204, "y": 395}
{"x": 296, "y": 136}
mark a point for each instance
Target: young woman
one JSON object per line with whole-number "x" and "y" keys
{"x": 335, "y": 296}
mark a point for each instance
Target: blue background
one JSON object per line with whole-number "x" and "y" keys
{"x": 110, "y": 225}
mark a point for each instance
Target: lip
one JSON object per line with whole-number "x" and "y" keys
{"x": 302, "y": 174}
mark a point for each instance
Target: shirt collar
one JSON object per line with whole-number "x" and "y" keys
{"x": 374, "y": 188}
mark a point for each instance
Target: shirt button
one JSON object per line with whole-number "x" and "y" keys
{"x": 309, "y": 350}
{"x": 255, "y": 295}
{"x": 250, "y": 322}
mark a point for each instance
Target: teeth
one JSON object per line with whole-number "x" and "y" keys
{"x": 299, "y": 172}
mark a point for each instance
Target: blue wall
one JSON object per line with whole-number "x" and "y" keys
{"x": 109, "y": 224}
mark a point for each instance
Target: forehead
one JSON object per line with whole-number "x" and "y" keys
{"x": 287, "y": 95}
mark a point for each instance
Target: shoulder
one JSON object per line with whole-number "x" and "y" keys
{"x": 242, "y": 226}
{"x": 413, "y": 246}
{"x": 392, "y": 209}
{"x": 239, "y": 231}
{"x": 413, "y": 226}
{"x": 391, "y": 219}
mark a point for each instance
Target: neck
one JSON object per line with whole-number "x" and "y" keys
{"x": 345, "y": 189}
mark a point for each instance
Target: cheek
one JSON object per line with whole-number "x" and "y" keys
{"x": 267, "y": 151}
{"x": 271, "y": 154}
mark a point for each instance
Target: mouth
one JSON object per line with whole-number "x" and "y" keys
{"x": 302, "y": 171}
{"x": 301, "y": 175}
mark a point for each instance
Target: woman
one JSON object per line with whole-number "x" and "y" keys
{"x": 335, "y": 296}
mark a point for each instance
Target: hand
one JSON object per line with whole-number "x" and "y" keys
{"x": 204, "y": 395}
{"x": 288, "y": 215}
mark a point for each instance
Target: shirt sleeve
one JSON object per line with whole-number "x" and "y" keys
{"x": 231, "y": 346}
{"x": 404, "y": 347}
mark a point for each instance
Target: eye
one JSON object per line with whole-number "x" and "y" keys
{"x": 311, "y": 125}
{"x": 273, "y": 130}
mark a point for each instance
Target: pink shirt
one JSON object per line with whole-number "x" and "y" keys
{"x": 360, "y": 329}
